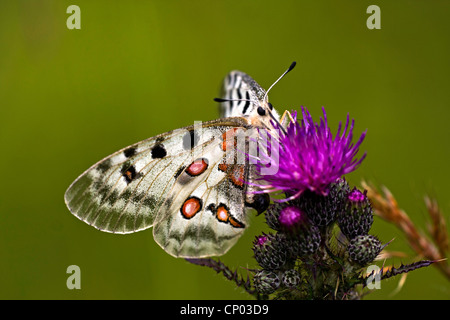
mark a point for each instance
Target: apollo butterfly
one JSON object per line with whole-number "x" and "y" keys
{"x": 188, "y": 184}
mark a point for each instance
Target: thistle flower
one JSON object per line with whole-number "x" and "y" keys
{"x": 308, "y": 157}
{"x": 303, "y": 237}
{"x": 306, "y": 258}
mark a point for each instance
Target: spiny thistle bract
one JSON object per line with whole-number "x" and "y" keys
{"x": 364, "y": 249}
{"x": 320, "y": 246}
{"x": 266, "y": 282}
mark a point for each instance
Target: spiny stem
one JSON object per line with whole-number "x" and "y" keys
{"x": 405, "y": 268}
{"x": 396, "y": 271}
{"x": 220, "y": 267}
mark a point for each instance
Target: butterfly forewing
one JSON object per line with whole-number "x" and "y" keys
{"x": 114, "y": 195}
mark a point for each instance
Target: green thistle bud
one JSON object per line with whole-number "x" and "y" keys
{"x": 270, "y": 251}
{"x": 364, "y": 249}
{"x": 357, "y": 217}
{"x": 266, "y": 282}
{"x": 291, "y": 278}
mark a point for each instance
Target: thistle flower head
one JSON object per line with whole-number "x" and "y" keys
{"x": 307, "y": 257}
{"x": 308, "y": 157}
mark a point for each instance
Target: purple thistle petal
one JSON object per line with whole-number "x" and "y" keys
{"x": 309, "y": 158}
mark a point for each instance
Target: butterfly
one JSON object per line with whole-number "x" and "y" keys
{"x": 187, "y": 183}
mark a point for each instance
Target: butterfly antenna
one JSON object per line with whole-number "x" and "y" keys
{"x": 267, "y": 92}
{"x": 225, "y": 100}
{"x": 289, "y": 69}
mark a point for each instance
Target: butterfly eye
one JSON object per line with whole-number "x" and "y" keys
{"x": 261, "y": 111}
{"x": 270, "y": 106}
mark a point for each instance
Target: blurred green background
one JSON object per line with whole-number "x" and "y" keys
{"x": 138, "y": 68}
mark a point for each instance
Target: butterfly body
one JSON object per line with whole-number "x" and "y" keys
{"x": 189, "y": 184}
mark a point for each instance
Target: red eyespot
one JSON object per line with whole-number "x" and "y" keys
{"x": 190, "y": 207}
{"x": 237, "y": 176}
{"x": 222, "y": 214}
{"x": 197, "y": 167}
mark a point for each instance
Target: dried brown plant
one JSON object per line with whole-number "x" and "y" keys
{"x": 435, "y": 249}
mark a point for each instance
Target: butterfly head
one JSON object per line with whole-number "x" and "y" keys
{"x": 244, "y": 97}
{"x": 264, "y": 115}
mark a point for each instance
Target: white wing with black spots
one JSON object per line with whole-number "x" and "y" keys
{"x": 147, "y": 184}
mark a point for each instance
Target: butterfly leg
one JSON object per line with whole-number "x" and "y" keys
{"x": 286, "y": 118}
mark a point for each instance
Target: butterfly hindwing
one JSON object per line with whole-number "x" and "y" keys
{"x": 207, "y": 217}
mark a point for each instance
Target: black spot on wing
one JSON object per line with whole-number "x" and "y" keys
{"x": 129, "y": 152}
{"x": 190, "y": 139}
{"x": 129, "y": 173}
{"x": 158, "y": 151}
{"x": 211, "y": 207}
